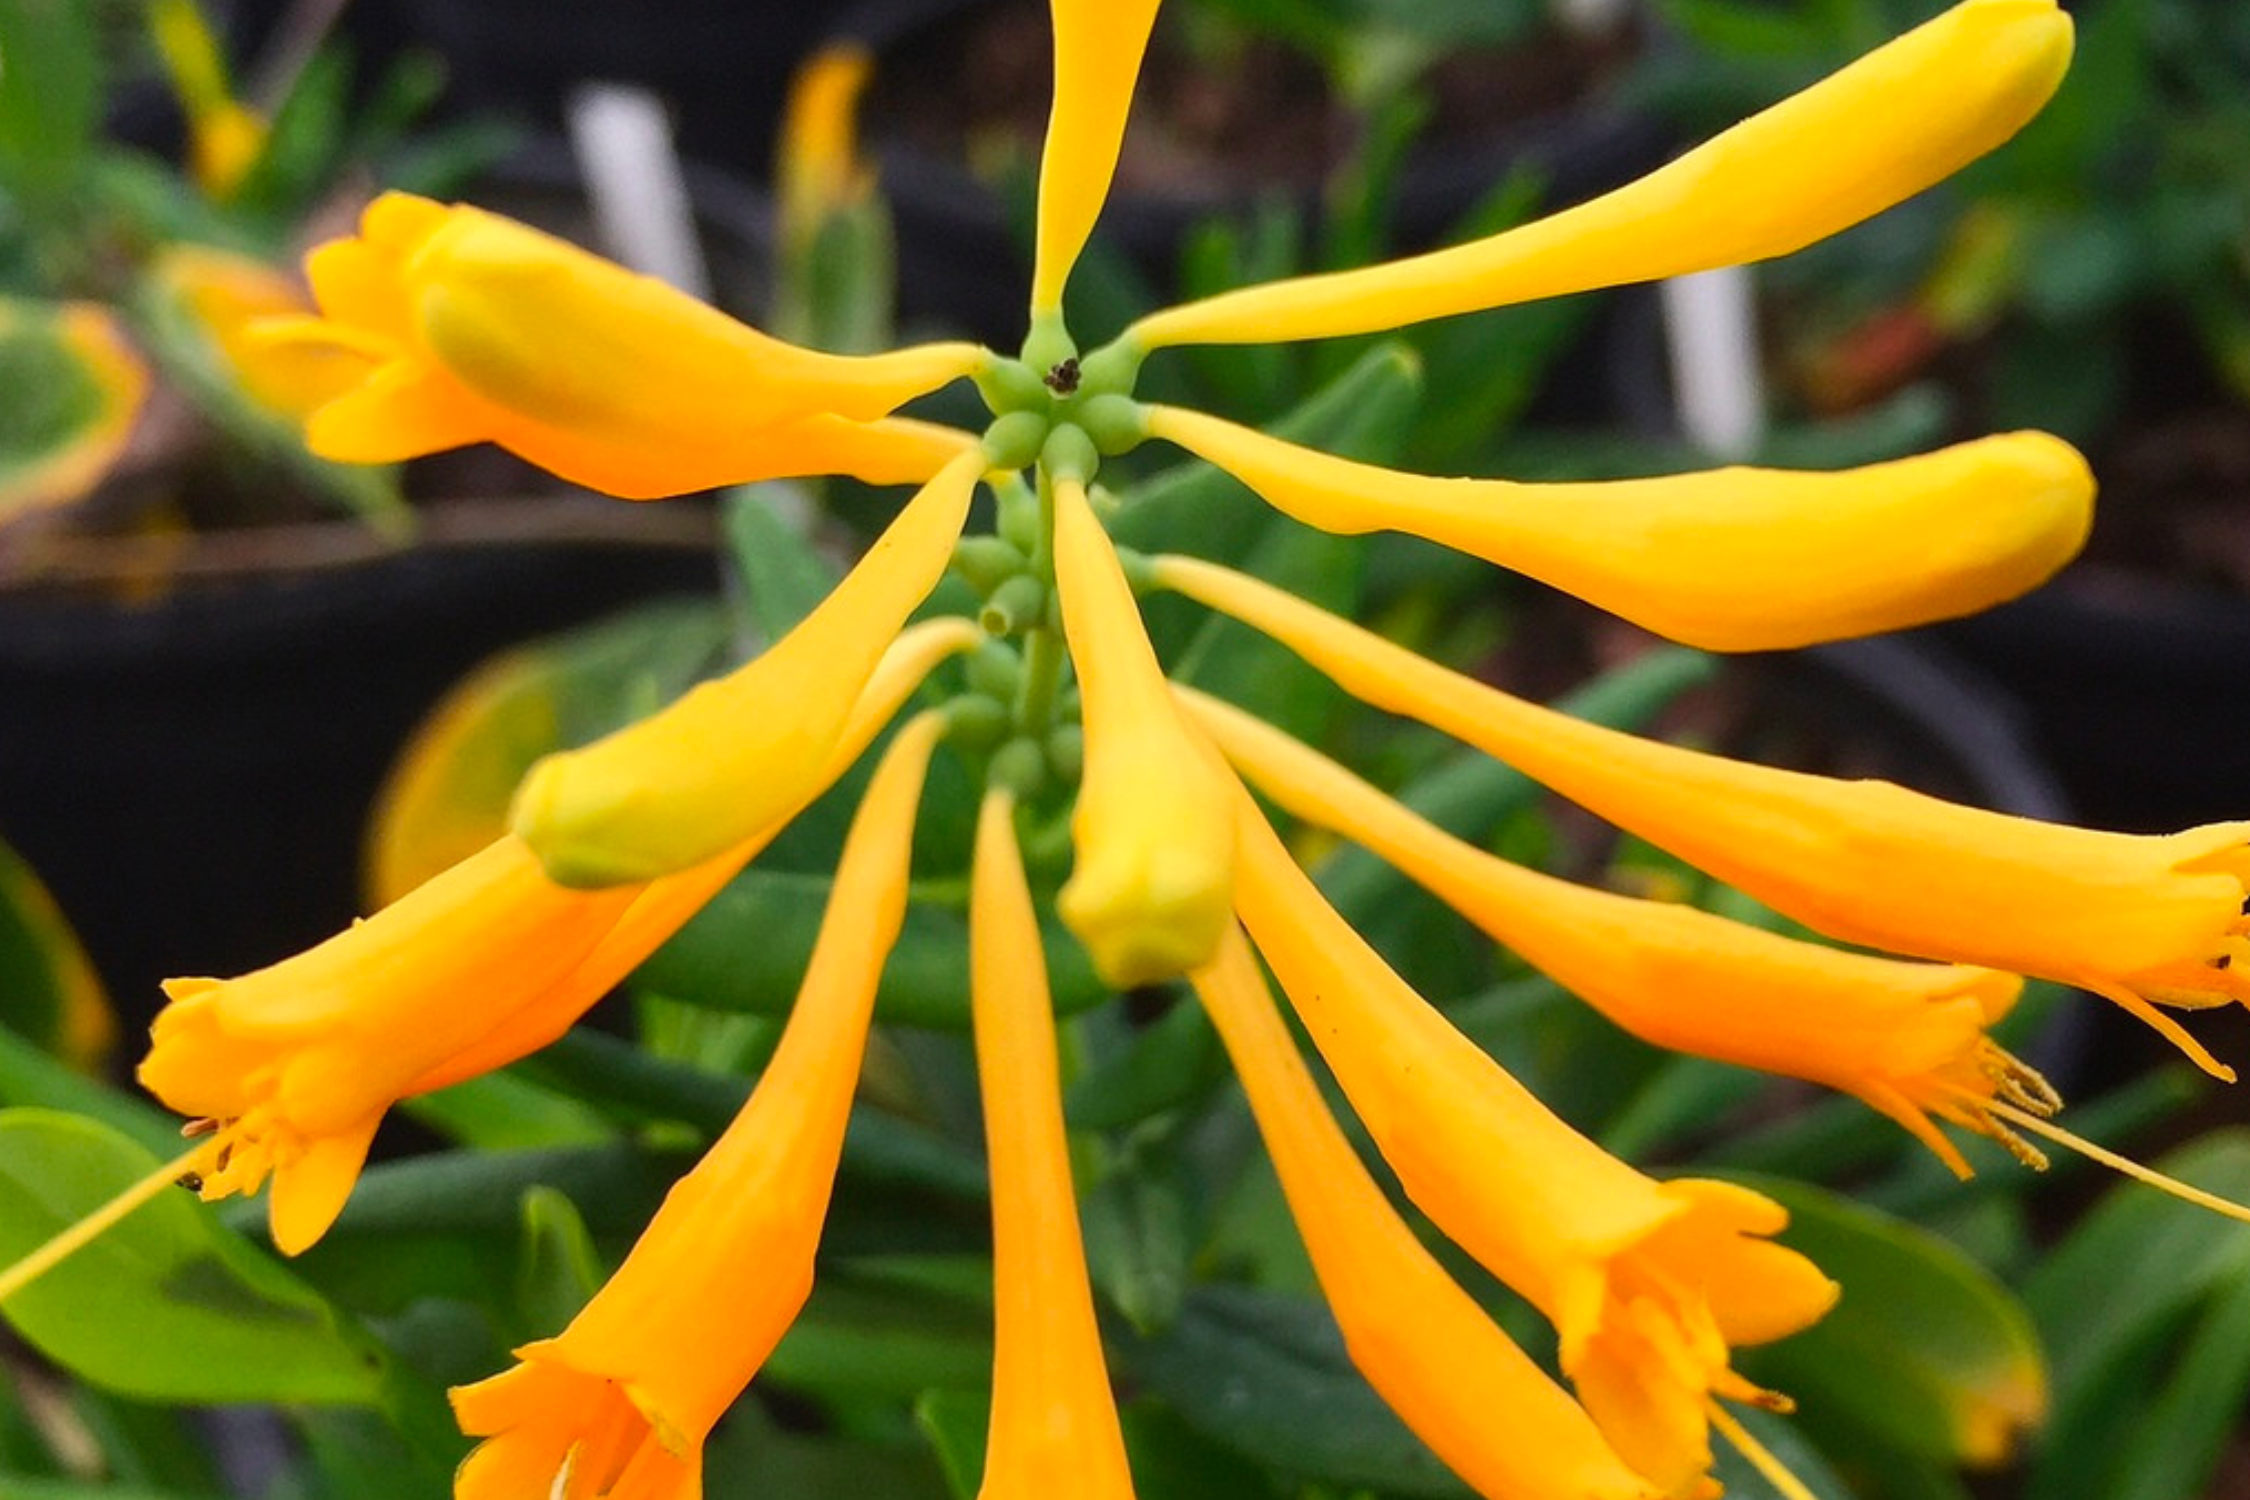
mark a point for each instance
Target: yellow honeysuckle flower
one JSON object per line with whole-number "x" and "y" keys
{"x": 486, "y": 963}
{"x": 687, "y": 782}
{"x": 225, "y": 136}
{"x": 116, "y": 382}
{"x": 2141, "y": 919}
{"x": 230, "y": 296}
{"x": 1449, "y": 1372}
{"x": 1150, "y": 895}
{"x": 1907, "y": 1038}
{"x": 1734, "y": 559}
{"x": 1054, "y": 1423}
{"x": 476, "y": 328}
{"x": 1648, "y": 1283}
{"x": 1906, "y": 115}
{"x": 619, "y": 1403}
{"x": 1098, "y": 48}
{"x": 820, "y": 167}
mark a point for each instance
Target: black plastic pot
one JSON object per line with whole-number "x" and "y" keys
{"x": 191, "y": 777}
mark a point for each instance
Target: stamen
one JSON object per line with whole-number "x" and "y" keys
{"x": 2017, "y": 1081}
{"x": 83, "y": 1233}
{"x": 1761, "y": 1458}
{"x": 2108, "y": 1158}
{"x": 196, "y": 1129}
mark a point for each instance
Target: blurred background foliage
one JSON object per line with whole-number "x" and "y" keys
{"x": 2053, "y": 1337}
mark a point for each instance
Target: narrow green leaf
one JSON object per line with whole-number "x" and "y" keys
{"x": 1268, "y": 1377}
{"x": 50, "y": 94}
{"x": 1165, "y": 1066}
{"x": 956, "y": 1424}
{"x": 782, "y": 574}
{"x": 508, "y": 1112}
{"x": 167, "y": 1306}
{"x": 559, "y": 1270}
{"x": 747, "y": 949}
{"x": 30, "y": 1077}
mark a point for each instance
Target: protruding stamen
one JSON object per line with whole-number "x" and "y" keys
{"x": 1761, "y": 1458}
{"x": 2039, "y": 1125}
{"x": 83, "y": 1233}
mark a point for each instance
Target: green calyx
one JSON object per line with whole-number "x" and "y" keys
{"x": 1050, "y": 405}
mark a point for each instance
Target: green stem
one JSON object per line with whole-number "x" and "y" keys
{"x": 1044, "y": 656}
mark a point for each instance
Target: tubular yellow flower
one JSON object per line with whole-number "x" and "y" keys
{"x": 1648, "y": 1283}
{"x": 1734, "y": 559}
{"x": 304, "y": 1057}
{"x": 1880, "y": 130}
{"x": 619, "y": 1403}
{"x": 1428, "y": 1350}
{"x": 229, "y": 296}
{"x": 116, "y": 384}
{"x": 482, "y": 965}
{"x": 1151, "y": 891}
{"x": 1098, "y": 48}
{"x": 1054, "y": 1423}
{"x": 702, "y": 774}
{"x": 476, "y": 328}
{"x": 820, "y": 168}
{"x": 1907, "y": 1038}
{"x": 226, "y": 138}
{"x": 2135, "y": 918}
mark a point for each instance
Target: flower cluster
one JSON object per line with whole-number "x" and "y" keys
{"x": 465, "y": 327}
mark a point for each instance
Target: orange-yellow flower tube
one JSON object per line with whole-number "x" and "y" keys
{"x": 1647, "y": 1283}
{"x": 618, "y": 1404}
{"x": 1149, "y": 895}
{"x": 1906, "y": 115}
{"x": 228, "y": 296}
{"x": 2136, "y": 918}
{"x": 721, "y": 761}
{"x": 1098, "y": 47}
{"x": 1734, "y": 559}
{"x": 1429, "y": 1351}
{"x": 1909, "y": 1039}
{"x": 476, "y": 328}
{"x": 225, "y": 136}
{"x": 820, "y": 166}
{"x": 1054, "y": 1422}
{"x": 476, "y": 968}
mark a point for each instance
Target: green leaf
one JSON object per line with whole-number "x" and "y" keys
{"x": 747, "y": 949}
{"x": 956, "y": 1424}
{"x": 167, "y": 1306}
{"x": 783, "y": 575}
{"x": 49, "y": 992}
{"x": 31, "y": 1077}
{"x": 1926, "y": 1351}
{"x": 1140, "y": 1232}
{"x": 891, "y": 1328}
{"x": 74, "y": 389}
{"x": 508, "y": 1112}
{"x": 1166, "y": 1065}
{"x": 2152, "y": 1354}
{"x": 1173, "y": 1461}
{"x": 559, "y": 1270}
{"x": 1267, "y": 1376}
{"x": 50, "y": 94}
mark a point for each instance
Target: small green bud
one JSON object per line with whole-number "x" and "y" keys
{"x": 995, "y": 668}
{"x": 1048, "y": 345}
{"x": 1117, "y": 424}
{"x": 1014, "y": 440}
{"x": 977, "y": 722}
{"x": 1111, "y": 369}
{"x": 1021, "y": 766}
{"x": 1070, "y": 454}
{"x": 1066, "y": 753}
{"x": 1018, "y": 518}
{"x": 1010, "y": 385}
{"x": 986, "y": 562}
{"x": 1017, "y": 604}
